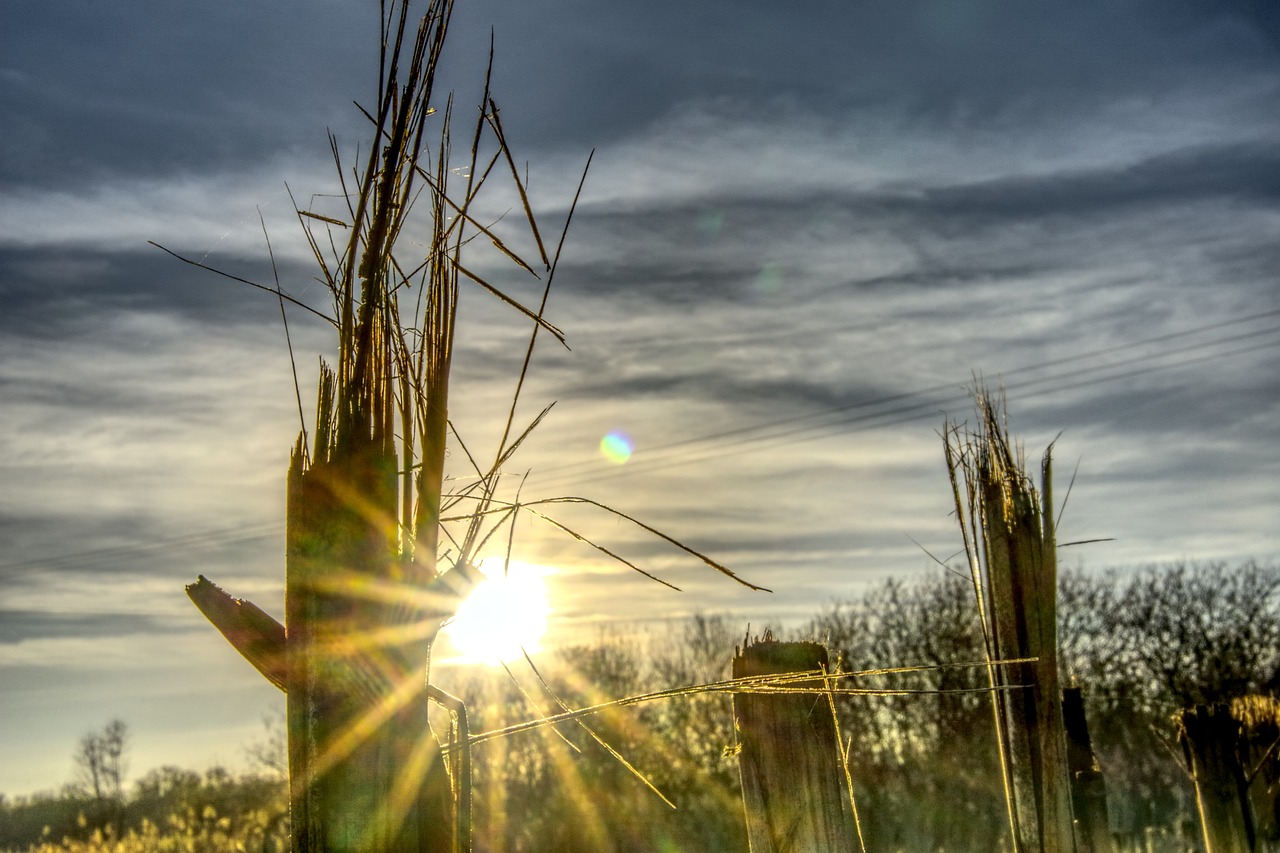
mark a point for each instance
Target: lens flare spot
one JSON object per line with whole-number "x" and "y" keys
{"x": 616, "y": 447}
{"x": 770, "y": 279}
{"x": 711, "y": 222}
{"x": 502, "y": 615}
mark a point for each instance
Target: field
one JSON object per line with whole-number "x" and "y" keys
{"x": 924, "y": 766}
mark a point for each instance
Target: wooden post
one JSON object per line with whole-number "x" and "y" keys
{"x": 1259, "y": 718}
{"x": 363, "y": 506}
{"x": 1210, "y": 737}
{"x": 1017, "y": 706}
{"x": 789, "y": 757}
{"x": 1088, "y": 789}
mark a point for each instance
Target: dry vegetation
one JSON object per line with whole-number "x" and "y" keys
{"x": 925, "y": 766}
{"x": 379, "y": 553}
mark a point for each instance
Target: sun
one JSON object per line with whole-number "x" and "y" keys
{"x": 502, "y": 615}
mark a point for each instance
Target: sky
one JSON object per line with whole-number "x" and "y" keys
{"x": 805, "y": 229}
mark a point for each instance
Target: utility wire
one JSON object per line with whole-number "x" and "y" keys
{"x": 914, "y": 405}
{"x": 891, "y": 410}
{"x": 173, "y": 546}
{"x": 593, "y": 464}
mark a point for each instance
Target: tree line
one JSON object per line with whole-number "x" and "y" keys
{"x": 1142, "y": 644}
{"x": 167, "y": 808}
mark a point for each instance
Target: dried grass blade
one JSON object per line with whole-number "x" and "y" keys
{"x": 323, "y": 218}
{"x": 602, "y": 549}
{"x": 722, "y": 569}
{"x": 496, "y": 122}
{"x": 237, "y": 278}
{"x": 555, "y": 332}
{"x": 507, "y": 515}
{"x": 970, "y": 533}
{"x": 755, "y": 683}
{"x": 464, "y": 216}
{"x": 619, "y": 757}
{"x": 502, "y": 247}
{"x": 844, "y": 761}
{"x": 515, "y": 445}
{"x": 315, "y": 247}
{"x": 542, "y": 306}
{"x": 284, "y": 318}
{"x": 529, "y": 700}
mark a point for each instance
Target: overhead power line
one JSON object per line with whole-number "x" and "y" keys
{"x": 176, "y": 547}
{"x": 878, "y": 413}
{"x": 894, "y": 409}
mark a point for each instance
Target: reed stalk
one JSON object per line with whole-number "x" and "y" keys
{"x": 367, "y": 583}
{"x": 1009, "y": 536}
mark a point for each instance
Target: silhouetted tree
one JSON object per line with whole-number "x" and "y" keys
{"x": 101, "y": 765}
{"x": 924, "y": 765}
{"x": 1151, "y": 642}
{"x": 271, "y": 754}
{"x": 1142, "y": 644}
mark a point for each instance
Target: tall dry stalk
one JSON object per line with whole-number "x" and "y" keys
{"x": 364, "y": 499}
{"x": 1009, "y": 537}
{"x": 366, "y": 507}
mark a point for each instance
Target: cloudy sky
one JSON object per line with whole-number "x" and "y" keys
{"x": 806, "y": 227}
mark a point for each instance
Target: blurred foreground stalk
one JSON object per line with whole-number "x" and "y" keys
{"x": 364, "y": 595}
{"x": 363, "y": 509}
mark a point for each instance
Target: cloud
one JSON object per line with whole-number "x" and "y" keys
{"x": 21, "y": 625}
{"x": 608, "y": 72}
{"x": 1236, "y": 171}
{"x": 191, "y": 90}
{"x": 97, "y": 93}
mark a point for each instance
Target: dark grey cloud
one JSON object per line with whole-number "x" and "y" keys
{"x": 87, "y": 547}
{"x": 52, "y": 293}
{"x": 1245, "y": 172}
{"x": 593, "y": 72}
{"x": 1220, "y": 402}
{"x": 68, "y": 293}
{"x": 1016, "y": 230}
{"x": 95, "y": 91}
{"x": 1263, "y": 15}
{"x": 699, "y": 378}
{"x": 19, "y": 625}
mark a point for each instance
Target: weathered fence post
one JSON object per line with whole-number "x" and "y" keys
{"x": 1210, "y": 737}
{"x": 789, "y": 756}
{"x": 1259, "y": 718}
{"x": 364, "y": 596}
{"x": 1088, "y": 789}
{"x": 263, "y": 643}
